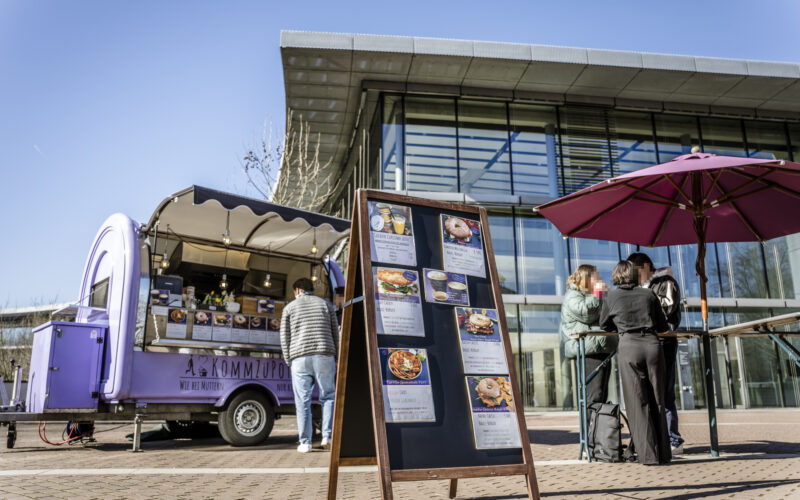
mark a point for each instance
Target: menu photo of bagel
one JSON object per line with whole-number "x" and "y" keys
{"x": 461, "y": 231}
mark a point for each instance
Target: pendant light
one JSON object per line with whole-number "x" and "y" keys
{"x": 165, "y": 258}
{"x": 226, "y": 236}
{"x": 314, "y": 245}
{"x": 268, "y": 278}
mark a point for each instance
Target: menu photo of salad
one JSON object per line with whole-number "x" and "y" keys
{"x": 398, "y": 306}
{"x": 391, "y": 234}
{"x": 494, "y": 418}
{"x": 407, "y": 395}
{"x": 462, "y": 245}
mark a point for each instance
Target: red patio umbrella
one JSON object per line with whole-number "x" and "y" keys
{"x": 695, "y": 198}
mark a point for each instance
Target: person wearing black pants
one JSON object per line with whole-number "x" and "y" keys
{"x": 636, "y": 314}
{"x": 663, "y": 284}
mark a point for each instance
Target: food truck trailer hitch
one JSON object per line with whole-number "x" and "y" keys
{"x": 140, "y": 345}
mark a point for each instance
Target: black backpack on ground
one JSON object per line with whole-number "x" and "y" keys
{"x": 604, "y": 439}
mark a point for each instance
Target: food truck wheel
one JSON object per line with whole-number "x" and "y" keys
{"x": 247, "y": 420}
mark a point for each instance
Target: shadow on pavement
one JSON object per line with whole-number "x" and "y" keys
{"x": 552, "y": 437}
{"x": 710, "y": 489}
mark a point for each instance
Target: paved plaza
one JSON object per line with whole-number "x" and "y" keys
{"x": 760, "y": 459}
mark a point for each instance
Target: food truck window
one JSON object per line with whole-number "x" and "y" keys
{"x": 100, "y": 294}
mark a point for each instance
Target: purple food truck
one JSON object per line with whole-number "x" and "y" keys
{"x": 179, "y": 318}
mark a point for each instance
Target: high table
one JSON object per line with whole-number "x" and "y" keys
{"x": 759, "y": 328}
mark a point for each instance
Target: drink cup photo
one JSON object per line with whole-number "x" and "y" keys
{"x": 438, "y": 281}
{"x": 399, "y": 223}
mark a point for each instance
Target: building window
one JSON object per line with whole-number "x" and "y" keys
{"x": 675, "y": 134}
{"x": 585, "y": 150}
{"x": 541, "y": 257}
{"x": 392, "y": 161}
{"x": 631, "y": 141}
{"x": 431, "y": 157}
{"x": 534, "y": 149}
{"x": 483, "y": 153}
{"x": 501, "y": 226}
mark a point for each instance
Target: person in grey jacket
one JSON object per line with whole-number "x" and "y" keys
{"x": 309, "y": 341}
{"x": 580, "y": 311}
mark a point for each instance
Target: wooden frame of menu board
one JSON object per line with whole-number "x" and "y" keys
{"x": 412, "y": 451}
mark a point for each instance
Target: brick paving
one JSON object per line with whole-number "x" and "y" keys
{"x": 760, "y": 459}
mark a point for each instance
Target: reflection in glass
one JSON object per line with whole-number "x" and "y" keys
{"x": 676, "y": 134}
{"x": 392, "y": 161}
{"x": 722, "y": 136}
{"x": 430, "y": 138}
{"x": 483, "y": 154}
{"x": 534, "y": 146}
{"x": 632, "y": 146}
{"x": 501, "y": 225}
{"x": 766, "y": 140}
{"x": 604, "y": 255}
{"x": 541, "y": 263}
{"x": 584, "y": 146}
{"x": 540, "y": 357}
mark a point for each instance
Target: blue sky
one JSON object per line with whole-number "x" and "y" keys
{"x": 109, "y": 106}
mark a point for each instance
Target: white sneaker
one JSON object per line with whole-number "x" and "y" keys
{"x": 304, "y": 448}
{"x": 677, "y": 450}
{"x": 326, "y": 443}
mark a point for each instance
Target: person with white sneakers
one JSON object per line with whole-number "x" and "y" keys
{"x": 309, "y": 341}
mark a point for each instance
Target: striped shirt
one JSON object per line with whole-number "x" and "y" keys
{"x": 308, "y": 327}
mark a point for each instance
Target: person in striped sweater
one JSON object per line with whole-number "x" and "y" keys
{"x": 309, "y": 341}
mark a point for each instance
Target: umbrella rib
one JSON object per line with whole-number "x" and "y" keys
{"x": 731, "y": 199}
{"x": 680, "y": 191}
{"x": 665, "y": 219}
{"x": 668, "y": 201}
{"x": 770, "y": 183}
{"x": 728, "y": 195}
{"x": 610, "y": 209}
{"x": 746, "y": 222}
{"x": 713, "y": 182}
{"x": 672, "y": 204}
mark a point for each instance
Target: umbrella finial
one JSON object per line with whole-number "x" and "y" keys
{"x": 695, "y": 149}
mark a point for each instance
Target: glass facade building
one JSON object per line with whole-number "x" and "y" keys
{"x": 511, "y": 156}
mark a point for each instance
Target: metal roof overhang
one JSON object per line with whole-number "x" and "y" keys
{"x": 325, "y": 73}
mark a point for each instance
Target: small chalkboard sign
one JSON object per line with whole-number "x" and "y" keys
{"x": 422, "y": 302}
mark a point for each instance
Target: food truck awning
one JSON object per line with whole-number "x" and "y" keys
{"x": 200, "y": 213}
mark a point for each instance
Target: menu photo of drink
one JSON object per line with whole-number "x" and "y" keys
{"x": 176, "y": 324}
{"x": 494, "y": 420}
{"x": 481, "y": 345}
{"x": 407, "y": 395}
{"x": 462, "y": 246}
{"x": 398, "y": 307}
{"x": 391, "y": 234}
{"x": 445, "y": 288}
{"x": 201, "y": 329}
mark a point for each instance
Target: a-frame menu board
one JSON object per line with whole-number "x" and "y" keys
{"x": 426, "y": 387}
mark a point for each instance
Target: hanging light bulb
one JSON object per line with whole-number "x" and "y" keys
{"x": 223, "y": 284}
{"x": 314, "y": 278}
{"x": 267, "y": 281}
{"x": 226, "y": 238}
{"x": 314, "y": 245}
{"x": 164, "y": 261}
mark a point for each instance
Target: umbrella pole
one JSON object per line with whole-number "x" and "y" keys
{"x": 700, "y": 266}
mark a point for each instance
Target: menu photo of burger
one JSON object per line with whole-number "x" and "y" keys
{"x": 482, "y": 348}
{"x": 477, "y": 324}
{"x": 222, "y": 326}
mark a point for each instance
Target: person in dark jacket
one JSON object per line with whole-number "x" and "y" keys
{"x": 661, "y": 282}
{"x": 635, "y": 313}
{"x": 580, "y": 311}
